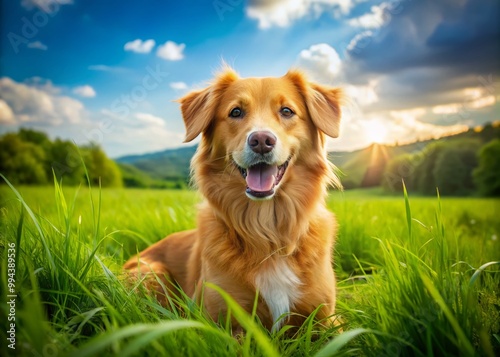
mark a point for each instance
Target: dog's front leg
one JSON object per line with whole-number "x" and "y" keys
{"x": 216, "y": 306}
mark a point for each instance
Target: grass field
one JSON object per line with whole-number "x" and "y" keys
{"x": 421, "y": 279}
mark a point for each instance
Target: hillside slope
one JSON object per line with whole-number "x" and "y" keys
{"x": 172, "y": 164}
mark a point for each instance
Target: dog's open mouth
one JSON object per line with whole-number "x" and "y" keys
{"x": 262, "y": 178}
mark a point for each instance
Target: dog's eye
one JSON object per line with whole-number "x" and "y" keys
{"x": 236, "y": 113}
{"x": 287, "y": 112}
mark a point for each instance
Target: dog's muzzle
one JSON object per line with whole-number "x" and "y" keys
{"x": 262, "y": 174}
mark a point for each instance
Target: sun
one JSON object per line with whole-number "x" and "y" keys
{"x": 375, "y": 131}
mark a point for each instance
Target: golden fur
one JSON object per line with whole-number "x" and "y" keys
{"x": 238, "y": 239}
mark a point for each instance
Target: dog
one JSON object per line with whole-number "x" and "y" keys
{"x": 263, "y": 228}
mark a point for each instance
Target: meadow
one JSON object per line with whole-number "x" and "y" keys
{"x": 417, "y": 276}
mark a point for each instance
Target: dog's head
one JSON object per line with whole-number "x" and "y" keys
{"x": 260, "y": 128}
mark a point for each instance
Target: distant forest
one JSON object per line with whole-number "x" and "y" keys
{"x": 29, "y": 157}
{"x": 459, "y": 165}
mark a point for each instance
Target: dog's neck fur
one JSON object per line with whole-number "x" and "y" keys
{"x": 263, "y": 228}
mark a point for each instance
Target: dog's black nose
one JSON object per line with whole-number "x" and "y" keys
{"x": 262, "y": 142}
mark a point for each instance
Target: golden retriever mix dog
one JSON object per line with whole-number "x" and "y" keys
{"x": 261, "y": 166}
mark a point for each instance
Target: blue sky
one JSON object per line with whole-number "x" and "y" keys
{"x": 108, "y": 71}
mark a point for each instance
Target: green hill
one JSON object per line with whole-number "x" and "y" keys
{"x": 168, "y": 165}
{"x": 365, "y": 167}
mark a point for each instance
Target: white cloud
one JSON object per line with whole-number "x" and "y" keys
{"x": 321, "y": 61}
{"x": 323, "y": 64}
{"x": 171, "y": 51}
{"x": 482, "y": 102}
{"x": 138, "y": 133}
{"x": 391, "y": 127}
{"x": 359, "y": 42}
{"x": 413, "y": 129}
{"x": 282, "y": 13}
{"x": 37, "y": 45}
{"x": 447, "y": 108}
{"x": 106, "y": 68}
{"x": 30, "y": 104}
{"x": 150, "y": 119}
{"x": 85, "y": 91}
{"x": 417, "y": 87}
{"x": 277, "y": 13}
{"x": 372, "y": 20}
{"x": 6, "y": 114}
{"x": 408, "y": 125}
{"x": 43, "y": 84}
{"x": 139, "y": 46}
{"x": 467, "y": 105}
{"x": 478, "y": 97}
{"x": 362, "y": 94}
{"x": 178, "y": 85}
{"x": 381, "y": 107}
{"x": 409, "y": 115}
{"x": 146, "y": 138}
{"x": 48, "y": 6}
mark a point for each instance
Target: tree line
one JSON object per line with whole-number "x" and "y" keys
{"x": 30, "y": 157}
{"x": 460, "y": 167}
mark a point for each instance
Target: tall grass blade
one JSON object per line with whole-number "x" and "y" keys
{"x": 462, "y": 339}
{"x": 96, "y": 221}
{"x": 38, "y": 227}
{"x": 408, "y": 210}
{"x": 479, "y": 271}
{"x": 148, "y": 337}
{"x": 19, "y": 234}
{"x": 339, "y": 342}
{"x": 96, "y": 346}
{"x": 439, "y": 220}
{"x": 60, "y": 197}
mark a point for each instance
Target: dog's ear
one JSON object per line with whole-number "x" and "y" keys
{"x": 323, "y": 103}
{"x": 324, "y": 107}
{"x": 197, "y": 112}
{"x": 198, "y": 107}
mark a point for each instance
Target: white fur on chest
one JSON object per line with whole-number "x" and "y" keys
{"x": 279, "y": 286}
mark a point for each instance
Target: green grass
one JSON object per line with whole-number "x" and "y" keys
{"x": 413, "y": 278}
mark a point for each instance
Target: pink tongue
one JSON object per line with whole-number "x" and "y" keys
{"x": 261, "y": 177}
